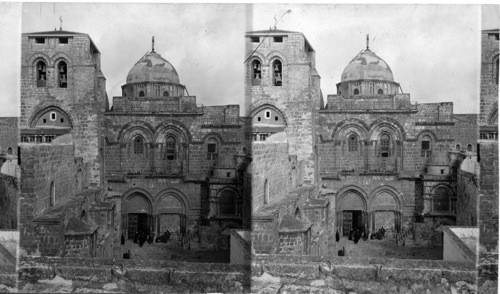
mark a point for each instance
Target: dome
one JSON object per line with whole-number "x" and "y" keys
{"x": 439, "y": 157}
{"x": 152, "y": 68}
{"x": 226, "y": 160}
{"x": 367, "y": 66}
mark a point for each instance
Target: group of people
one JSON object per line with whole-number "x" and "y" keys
{"x": 355, "y": 234}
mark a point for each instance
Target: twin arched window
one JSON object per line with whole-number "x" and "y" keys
{"x": 41, "y": 74}
{"x": 352, "y": 143}
{"x": 276, "y": 70}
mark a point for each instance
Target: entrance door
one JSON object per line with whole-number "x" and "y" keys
{"x": 352, "y": 219}
{"x": 137, "y": 222}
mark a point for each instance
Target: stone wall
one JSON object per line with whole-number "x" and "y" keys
{"x": 488, "y": 206}
{"x": 9, "y": 196}
{"x": 42, "y": 167}
{"x": 467, "y": 190}
{"x": 489, "y": 87}
{"x": 272, "y": 166}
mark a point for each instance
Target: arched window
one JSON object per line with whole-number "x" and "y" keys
{"x": 62, "y": 74}
{"x": 441, "y": 199}
{"x": 426, "y": 147}
{"x": 212, "y": 149}
{"x": 356, "y": 92}
{"x": 9, "y": 150}
{"x": 170, "y": 148}
{"x": 384, "y": 145}
{"x": 380, "y": 91}
{"x": 469, "y": 147}
{"x": 352, "y": 143}
{"x": 138, "y": 145}
{"x": 165, "y": 94}
{"x": 141, "y": 93}
{"x": 52, "y": 197}
{"x": 277, "y": 73}
{"x": 266, "y": 191}
{"x": 457, "y": 147}
{"x": 256, "y": 73}
{"x": 41, "y": 74}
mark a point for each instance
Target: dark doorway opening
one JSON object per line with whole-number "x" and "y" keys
{"x": 352, "y": 219}
{"x": 137, "y": 222}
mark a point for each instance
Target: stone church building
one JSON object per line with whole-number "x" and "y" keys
{"x": 296, "y": 169}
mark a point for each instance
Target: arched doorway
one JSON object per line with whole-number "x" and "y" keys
{"x": 137, "y": 215}
{"x": 351, "y": 213}
{"x": 170, "y": 215}
{"x": 385, "y": 212}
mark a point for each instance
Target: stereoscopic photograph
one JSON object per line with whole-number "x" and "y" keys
{"x": 249, "y": 148}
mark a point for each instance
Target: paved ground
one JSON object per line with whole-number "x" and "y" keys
{"x": 386, "y": 247}
{"x": 172, "y": 251}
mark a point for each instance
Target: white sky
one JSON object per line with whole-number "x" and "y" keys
{"x": 433, "y": 50}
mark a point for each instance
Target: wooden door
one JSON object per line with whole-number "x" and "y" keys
{"x": 347, "y": 222}
{"x": 133, "y": 222}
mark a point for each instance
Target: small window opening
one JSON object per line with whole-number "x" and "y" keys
{"x": 457, "y": 147}
{"x": 278, "y": 39}
{"x": 255, "y": 39}
{"x": 469, "y": 147}
{"x": 266, "y": 192}
{"x": 40, "y": 40}
{"x": 52, "y": 116}
{"x": 41, "y": 74}
{"x": 141, "y": 94}
{"x": 258, "y": 118}
{"x": 276, "y": 118}
{"x": 63, "y": 40}
{"x": 212, "y": 151}
{"x": 268, "y": 114}
{"x": 9, "y": 150}
{"x": 442, "y": 171}
{"x": 356, "y": 92}
{"x": 165, "y": 94}
{"x": 426, "y": 149}
{"x": 277, "y": 73}
{"x": 62, "y": 119}
{"x": 228, "y": 174}
{"x": 63, "y": 74}
{"x": 44, "y": 120}
{"x": 380, "y": 91}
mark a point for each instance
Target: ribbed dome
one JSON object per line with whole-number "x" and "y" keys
{"x": 367, "y": 66}
{"x": 225, "y": 160}
{"x": 152, "y": 68}
{"x": 439, "y": 157}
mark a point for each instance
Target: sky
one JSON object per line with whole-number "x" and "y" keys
{"x": 433, "y": 50}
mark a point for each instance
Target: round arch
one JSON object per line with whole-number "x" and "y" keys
{"x": 340, "y": 130}
{"x": 351, "y": 209}
{"x": 127, "y": 131}
{"x": 389, "y": 125}
{"x": 171, "y": 125}
{"x": 40, "y": 111}
{"x": 272, "y": 107}
{"x": 276, "y": 55}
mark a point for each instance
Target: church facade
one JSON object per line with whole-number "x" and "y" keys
{"x": 296, "y": 168}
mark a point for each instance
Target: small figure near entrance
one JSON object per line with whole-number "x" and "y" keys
{"x": 351, "y": 232}
{"x": 337, "y": 236}
{"x": 123, "y": 239}
{"x": 365, "y": 235}
{"x": 356, "y": 235}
